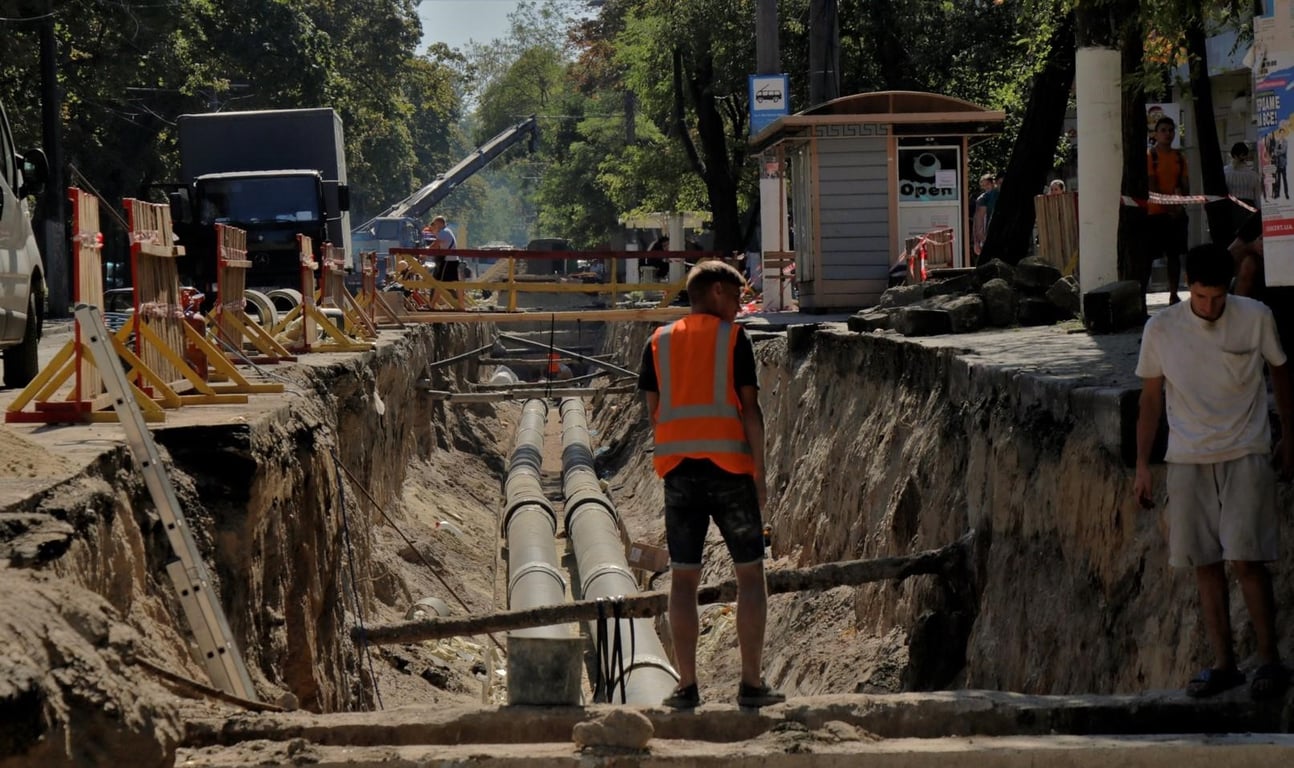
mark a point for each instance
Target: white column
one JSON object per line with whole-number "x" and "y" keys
{"x": 772, "y": 231}
{"x": 1100, "y": 165}
{"x": 677, "y": 269}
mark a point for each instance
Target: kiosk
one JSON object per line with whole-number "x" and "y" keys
{"x": 861, "y": 174}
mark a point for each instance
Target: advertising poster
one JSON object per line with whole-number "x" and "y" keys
{"x": 929, "y": 174}
{"x": 929, "y": 194}
{"x": 1273, "y": 68}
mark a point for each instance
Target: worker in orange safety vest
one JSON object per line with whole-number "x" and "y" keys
{"x": 698, "y": 376}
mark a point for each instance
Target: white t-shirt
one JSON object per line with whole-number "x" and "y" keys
{"x": 446, "y": 239}
{"x": 1213, "y": 379}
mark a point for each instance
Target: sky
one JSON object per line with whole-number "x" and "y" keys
{"x": 454, "y": 22}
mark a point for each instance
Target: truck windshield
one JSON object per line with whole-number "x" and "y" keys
{"x": 259, "y": 200}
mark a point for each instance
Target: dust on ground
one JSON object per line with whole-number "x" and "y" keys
{"x": 22, "y": 458}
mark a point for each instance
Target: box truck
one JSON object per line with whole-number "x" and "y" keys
{"x": 274, "y": 173}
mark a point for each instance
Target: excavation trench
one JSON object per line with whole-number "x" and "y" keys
{"x": 355, "y": 496}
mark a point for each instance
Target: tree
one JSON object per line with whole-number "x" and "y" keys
{"x": 1011, "y": 228}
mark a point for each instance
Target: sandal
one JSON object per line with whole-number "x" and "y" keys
{"x": 1269, "y": 682}
{"x": 1211, "y": 682}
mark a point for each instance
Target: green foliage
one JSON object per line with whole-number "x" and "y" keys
{"x": 128, "y": 70}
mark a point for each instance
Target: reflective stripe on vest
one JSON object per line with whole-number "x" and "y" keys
{"x": 710, "y": 430}
{"x": 718, "y": 407}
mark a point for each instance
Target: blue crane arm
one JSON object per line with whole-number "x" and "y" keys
{"x": 420, "y": 202}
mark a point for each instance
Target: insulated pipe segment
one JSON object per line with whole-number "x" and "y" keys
{"x": 594, "y": 531}
{"x": 530, "y": 525}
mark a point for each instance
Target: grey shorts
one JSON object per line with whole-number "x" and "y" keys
{"x": 1223, "y": 511}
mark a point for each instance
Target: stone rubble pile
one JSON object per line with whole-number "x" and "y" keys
{"x": 995, "y": 294}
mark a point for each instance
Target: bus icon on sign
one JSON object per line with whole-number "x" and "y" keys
{"x": 768, "y": 93}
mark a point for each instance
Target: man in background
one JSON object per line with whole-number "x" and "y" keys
{"x": 1166, "y": 224}
{"x": 1205, "y": 360}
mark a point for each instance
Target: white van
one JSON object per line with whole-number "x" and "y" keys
{"x": 22, "y": 275}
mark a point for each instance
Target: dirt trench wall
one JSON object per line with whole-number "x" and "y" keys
{"x": 878, "y": 446}
{"x": 264, "y": 500}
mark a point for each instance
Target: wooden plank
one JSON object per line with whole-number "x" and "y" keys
{"x": 519, "y": 392}
{"x": 949, "y": 562}
{"x": 563, "y": 316}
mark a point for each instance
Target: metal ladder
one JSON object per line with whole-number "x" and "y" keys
{"x": 188, "y": 572}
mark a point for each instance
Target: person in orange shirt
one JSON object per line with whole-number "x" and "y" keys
{"x": 698, "y": 376}
{"x": 1166, "y": 224}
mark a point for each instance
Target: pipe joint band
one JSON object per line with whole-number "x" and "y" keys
{"x": 584, "y": 498}
{"x": 607, "y": 569}
{"x": 537, "y": 501}
{"x": 535, "y": 567}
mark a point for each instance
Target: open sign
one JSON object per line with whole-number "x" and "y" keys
{"x": 909, "y": 190}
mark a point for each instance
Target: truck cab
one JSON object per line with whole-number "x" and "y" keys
{"x": 273, "y": 207}
{"x": 22, "y": 273}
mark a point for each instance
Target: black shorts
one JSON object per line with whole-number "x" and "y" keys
{"x": 697, "y": 493}
{"x": 446, "y": 271}
{"x": 1167, "y": 235}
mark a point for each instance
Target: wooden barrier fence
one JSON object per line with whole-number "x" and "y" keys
{"x": 1057, "y": 217}
{"x": 425, "y": 293}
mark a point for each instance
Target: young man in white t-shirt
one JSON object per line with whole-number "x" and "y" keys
{"x": 1205, "y": 358}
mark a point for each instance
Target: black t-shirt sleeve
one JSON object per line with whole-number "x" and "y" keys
{"x": 647, "y": 373}
{"x": 743, "y": 362}
{"x": 1252, "y": 229}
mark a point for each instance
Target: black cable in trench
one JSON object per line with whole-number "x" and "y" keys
{"x": 365, "y": 655}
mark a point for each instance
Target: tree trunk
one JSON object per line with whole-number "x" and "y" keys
{"x": 1011, "y": 229}
{"x": 1212, "y": 175}
{"x": 1135, "y": 184}
{"x": 712, "y": 133}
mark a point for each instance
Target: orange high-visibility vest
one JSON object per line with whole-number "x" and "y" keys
{"x": 554, "y": 364}
{"x": 699, "y": 415}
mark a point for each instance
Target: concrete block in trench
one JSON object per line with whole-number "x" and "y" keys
{"x": 999, "y": 302}
{"x": 1035, "y": 277}
{"x": 1065, "y": 295}
{"x": 1114, "y": 307}
{"x": 869, "y": 320}
{"x": 545, "y": 670}
{"x": 902, "y": 296}
{"x": 1033, "y": 311}
{"x": 917, "y": 321}
{"x": 995, "y": 270}
{"x": 965, "y": 313}
{"x": 959, "y": 284}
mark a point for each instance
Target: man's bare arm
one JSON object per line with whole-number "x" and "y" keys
{"x": 752, "y": 419}
{"x": 653, "y": 400}
{"x": 1150, "y": 408}
{"x": 1284, "y": 409}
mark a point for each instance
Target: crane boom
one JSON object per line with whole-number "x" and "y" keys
{"x": 421, "y": 201}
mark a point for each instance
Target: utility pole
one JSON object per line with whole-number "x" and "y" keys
{"x": 772, "y": 192}
{"x": 54, "y": 247}
{"x": 824, "y": 51}
{"x": 767, "y": 56}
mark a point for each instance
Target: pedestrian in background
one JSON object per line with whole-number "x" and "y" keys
{"x": 1166, "y": 224}
{"x": 699, "y": 380}
{"x": 1205, "y": 359}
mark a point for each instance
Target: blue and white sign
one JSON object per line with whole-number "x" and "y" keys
{"x": 770, "y": 99}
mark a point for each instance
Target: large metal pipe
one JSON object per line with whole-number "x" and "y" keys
{"x": 534, "y": 575}
{"x": 594, "y": 531}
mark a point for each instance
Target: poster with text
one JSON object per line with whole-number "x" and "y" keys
{"x": 1273, "y": 70}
